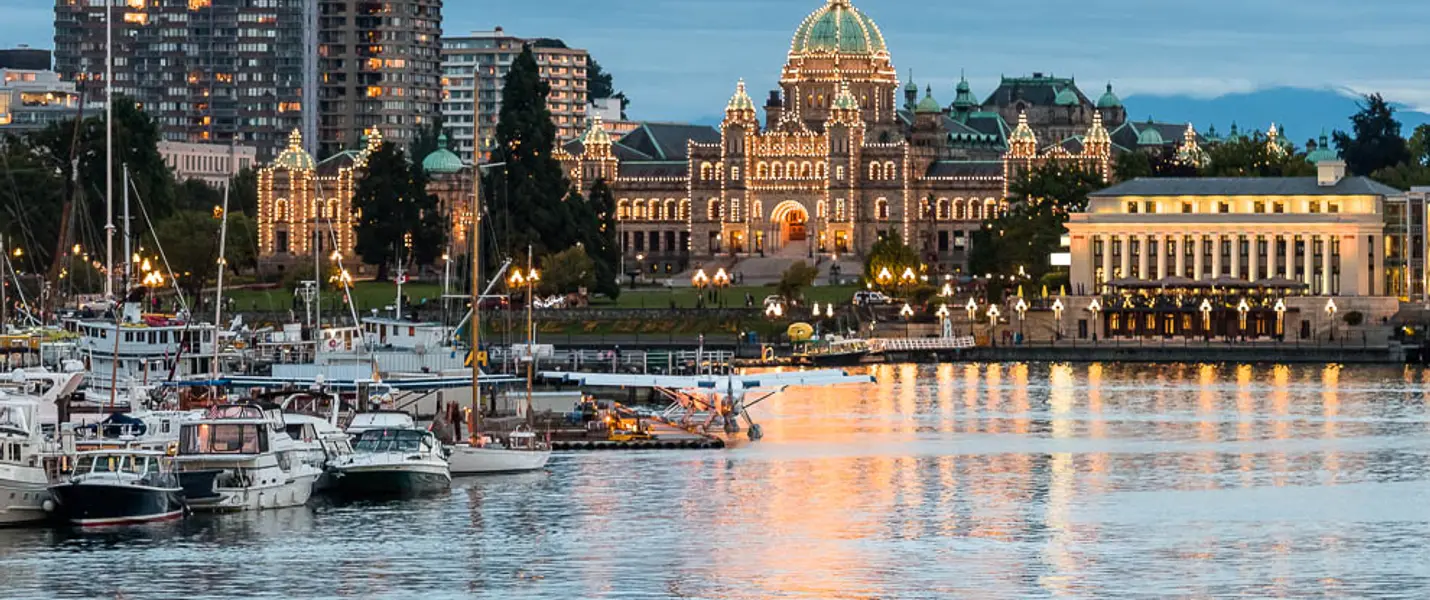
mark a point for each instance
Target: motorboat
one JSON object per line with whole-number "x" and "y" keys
{"x": 486, "y": 455}
{"x": 393, "y": 462}
{"x": 139, "y": 429}
{"x": 245, "y": 450}
{"x": 27, "y": 405}
{"x": 311, "y": 420}
{"x": 119, "y": 487}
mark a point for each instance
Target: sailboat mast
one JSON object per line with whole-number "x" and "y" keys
{"x": 476, "y": 321}
{"x": 128, "y": 238}
{"x": 222, "y": 262}
{"x": 530, "y": 330}
{"x": 317, "y": 289}
{"x": 109, "y": 148}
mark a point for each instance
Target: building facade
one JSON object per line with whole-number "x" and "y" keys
{"x": 1325, "y": 234}
{"x": 380, "y": 68}
{"x": 474, "y": 69}
{"x": 207, "y": 72}
{"x": 306, "y": 206}
{"x": 31, "y": 100}
{"x": 213, "y": 164}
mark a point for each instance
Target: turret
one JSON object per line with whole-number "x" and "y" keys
{"x": 1023, "y": 143}
{"x": 911, "y": 92}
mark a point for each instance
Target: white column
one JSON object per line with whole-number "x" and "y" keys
{"x": 1180, "y": 243}
{"x": 1326, "y": 265}
{"x": 1291, "y": 257}
{"x": 1162, "y": 257}
{"x": 1271, "y": 258}
{"x": 1126, "y": 262}
{"x": 1143, "y": 258}
{"x": 1236, "y": 256}
{"x": 1310, "y": 258}
{"x": 1216, "y": 256}
{"x": 1253, "y": 258}
{"x": 1197, "y": 257}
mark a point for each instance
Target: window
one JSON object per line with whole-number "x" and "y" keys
{"x": 881, "y": 209}
{"x": 1186, "y": 208}
{"x": 735, "y": 173}
{"x": 1223, "y": 207}
{"x": 1333, "y": 207}
{"x": 1315, "y": 206}
{"x": 839, "y": 172}
{"x": 1149, "y": 206}
{"x": 222, "y": 439}
{"x": 1132, "y": 207}
{"x": 762, "y": 170}
{"x": 1258, "y": 206}
{"x": 1278, "y": 207}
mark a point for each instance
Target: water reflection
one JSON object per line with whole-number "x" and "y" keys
{"x": 953, "y": 480}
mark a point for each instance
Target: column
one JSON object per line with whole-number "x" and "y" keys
{"x": 1106, "y": 261}
{"x": 1291, "y": 257}
{"x": 1271, "y": 265}
{"x": 1253, "y": 258}
{"x": 1126, "y": 266}
{"x": 1309, "y": 256}
{"x": 1216, "y": 256}
{"x": 1162, "y": 257}
{"x": 1143, "y": 258}
{"x": 1236, "y": 256}
{"x": 1180, "y": 243}
{"x": 1326, "y": 265}
{"x": 1197, "y": 257}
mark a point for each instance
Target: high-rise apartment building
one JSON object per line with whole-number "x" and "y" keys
{"x": 217, "y": 71}
{"x": 379, "y": 64}
{"x": 474, "y": 70}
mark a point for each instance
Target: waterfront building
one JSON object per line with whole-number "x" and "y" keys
{"x": 225, "y": 72}
{"x": 306, "y": 205}
{"x": 380, "y": 65}
{"x": 214, "y": 164}
{"x": 474, "y": 69}
{"x": 450, "y": 180}
{"x": 1326, "y": 234}
{"x": 26, "y": 58}
{"x": 1409, "y": 232}
{"x": 33, "y": 99}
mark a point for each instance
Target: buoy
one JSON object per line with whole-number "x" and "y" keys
{"x": 48, "y": 505}
{"x": 756, "y": 432}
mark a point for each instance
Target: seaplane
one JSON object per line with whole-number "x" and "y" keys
{"x": 711, "y": 403}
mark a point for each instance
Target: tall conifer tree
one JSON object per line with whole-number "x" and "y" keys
{"x": 533, "y": 211}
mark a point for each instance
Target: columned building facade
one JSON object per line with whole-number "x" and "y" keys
{"x": 1324, "y": 235}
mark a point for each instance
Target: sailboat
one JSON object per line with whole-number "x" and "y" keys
{"x": 520, "y": 451}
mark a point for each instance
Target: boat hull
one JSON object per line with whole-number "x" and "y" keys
{"x": 399, "y": 482}
{"x": 98, "y": 505}
{"x": 294, "y": 491}
{"x": 469, "y": 460}
{"x": 22, "y": 500}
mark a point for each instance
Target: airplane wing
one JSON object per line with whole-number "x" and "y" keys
{"x": 712, "y": 382}
{"x": 417, "y": 383}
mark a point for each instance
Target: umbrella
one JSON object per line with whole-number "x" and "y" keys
{"x": 1020, "y": 290}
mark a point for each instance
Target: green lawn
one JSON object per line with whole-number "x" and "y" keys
{"x": 684, "y": 297}
{"x": 366, "y": 294}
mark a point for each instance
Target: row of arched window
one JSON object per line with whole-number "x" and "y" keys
{"x": 791, "y": 169}
{"x": 653, "y": 209}
{"x": 959, "y": 209}
{"x": 324, "y": 209}
{"x": 883, "y": 171}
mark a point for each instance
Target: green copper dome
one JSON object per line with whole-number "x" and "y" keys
{"x": 1323, "y": 152}
{"x": 294, "y": 158}
{"x": 1109, "y": 99}
{"x": 838, "y": 27}
{"x": 1067, "y": 97}
{"x": 928, "y": 104}
{"x": 1150, "y": 137}
{"x": 964, "y": 96}
{"x": 442, "y": 161}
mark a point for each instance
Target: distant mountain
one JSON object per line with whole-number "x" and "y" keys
{"x": 1302, "y": 112}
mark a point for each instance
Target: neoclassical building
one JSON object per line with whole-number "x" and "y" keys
{"x": 839, "y": 160}
{"x": 304, "y": 205}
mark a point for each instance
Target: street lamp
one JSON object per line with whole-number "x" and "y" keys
{"x": 640, "y": 263}
{"x": 972, "y": 308}
{"x": 992, "y": 323}
{"x": 1206, "y": 309}
{"x": 907, "y": 312}
{"x": 908, "y": 277}
{"x": 1331, "y": 314}
{"x": 721, "y": 281}
{"x": 1058, "y": 315}
{"x": 884, "y": 277}
{"x": 773, "y": 312}
{"x": 947, "y": 291}
{"x": 1022, "y": 308}
{"x": 1281, "y": 318}
{"x": 1094, "y": 307}
{"x": 700, "y": 279}
{"x": 1241, "y": 309}
{"x": 942, "y": 314}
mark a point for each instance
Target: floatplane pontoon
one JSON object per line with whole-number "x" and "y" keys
{"x": 704, "y": 402}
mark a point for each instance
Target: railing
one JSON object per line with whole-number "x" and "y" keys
{"x": 642, "y": 361}
{"x": 921, "y": 344}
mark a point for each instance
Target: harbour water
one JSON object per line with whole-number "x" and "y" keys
{"x": 939, "y": 481}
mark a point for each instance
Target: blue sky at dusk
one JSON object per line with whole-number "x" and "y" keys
{"x": 679, "y": 59}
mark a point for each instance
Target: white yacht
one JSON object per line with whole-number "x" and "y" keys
{"x": 27, "y": 405}
{"x": 520, "y": 451}
{"x": 387, "y": 462}
{"x": 142, "y": 350}
{"x": 247, "y": 454}
{"x": 311, "y": 421}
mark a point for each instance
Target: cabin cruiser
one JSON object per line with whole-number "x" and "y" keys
{"x": 139, "y": 428}
{"x": 27, "y": 406}
{"x": 485, "y": 455}
{"x": 389, "y": 461}
{"x": 381, "y": 419}
{"x": 245, "y": 451}
{"x": 119, "y": 487}
{"x": 311, "y": 420}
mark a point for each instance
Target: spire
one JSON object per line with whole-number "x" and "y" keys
{"x": 1023, "y": 143}
{"x": 1190, "y": 153}
{"x": 596, "y": 134}
{"x": 1097, "y": 142}
{"x": 741, "y": 100}
{"x": 1274, "y": 145}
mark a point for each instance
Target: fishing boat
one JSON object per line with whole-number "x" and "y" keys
{"x": 247, "y": 453}
{"x": 388, "y": 462}
{"x": 119, "y": 487}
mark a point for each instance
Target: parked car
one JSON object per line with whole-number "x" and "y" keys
{"x": 495, "y": 302}
{"x": 870, "y": 298}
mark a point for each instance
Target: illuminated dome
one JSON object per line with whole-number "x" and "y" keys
{"x": 838, "y": 27}
{"x": 293, "y": 157}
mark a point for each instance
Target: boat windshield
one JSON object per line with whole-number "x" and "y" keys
{"x": 113, "y": 463}
{"x": 217, "y": 438}
{"x": 391, "y": 440}
{"x": 12, "y": 417}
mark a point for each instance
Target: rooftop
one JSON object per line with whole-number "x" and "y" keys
{"x": 1245, "y": 186}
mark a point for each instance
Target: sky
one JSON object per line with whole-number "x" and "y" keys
{"x": 679, "y": 60}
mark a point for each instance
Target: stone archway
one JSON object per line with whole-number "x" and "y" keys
{"x": 793, "y": 221}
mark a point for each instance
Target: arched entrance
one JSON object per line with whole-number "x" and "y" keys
{"x": 793, "y": 221}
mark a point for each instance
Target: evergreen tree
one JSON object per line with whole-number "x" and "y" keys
{"x": 1032, "y": 228}
{"x": 392, "y": 203}
{"x": 1250, "y": 156}
{"x": 1374, "y": 142}
{"x": 599, "y": 236}
{"x": 599, "y": 84}
{"x": 533, "y": 212}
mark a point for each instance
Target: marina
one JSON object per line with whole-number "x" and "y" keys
{"x": 957, "y": 480}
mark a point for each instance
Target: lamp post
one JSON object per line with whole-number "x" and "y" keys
{"x": 1022, "y": 308}
{"x": 1331, "y": 314}
{"x": 1281, "y": 319}
{"x": 700, "y": 280}
{"x": 972, "y": 308}
{"x": 1094, "y": 307}
{"x": 721, "y": 281}
{"x": 640, "y": 264}
{"x": 1206, "y": 309}
{"x": 1058, "y": 315}
{"x": 1241, "y": 309}
{"x": 773, "y": 312}
{"x": 907, "y": 312}
{"x": 884, "y": 278}
{"x": 943, "y": 328}
{"x": 992, "y": 323}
